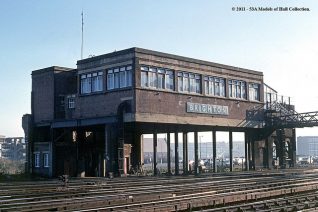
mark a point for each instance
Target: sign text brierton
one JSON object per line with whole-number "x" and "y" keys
{"x": 206, "y": 108}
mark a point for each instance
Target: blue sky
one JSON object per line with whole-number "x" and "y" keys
{"x": 38, "y": 34}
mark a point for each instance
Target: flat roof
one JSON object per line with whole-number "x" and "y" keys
{"x": 52, "y": 68}
{"x": 167, "y": 55}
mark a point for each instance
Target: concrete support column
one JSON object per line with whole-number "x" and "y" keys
{"x": 106, "y": 156}
{"x": 185, "y": 153}
{"x": 168, "y": 153}
{"x": 247, "y": 156}
{"x": 141, "y": 156}
{"x": 176, "y": 150}
{"x": 253, "y": 154}
{"x": 293, "y": 145}
{"x": 196, "y": 157}
{"x": 80, "y": 150}
{"x": 231, "y": 149}
{"x": 214, "y": 150}
{"x": 266, "y": 154}
{"x": 155, "y": 154}
{"x": 52, "y": 158}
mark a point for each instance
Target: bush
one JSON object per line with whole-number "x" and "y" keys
{"x": 11, "y": 167}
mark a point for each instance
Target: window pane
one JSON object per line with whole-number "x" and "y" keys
{"x": 169, "y": 81}
{"x": 99, "y": 83}
{"x": 222, "y": 87}
{"x": 211, "y": 87}
{"x": 206, "y": 87}
{"x": 180, "y": 84}
{"x": 116, "y": 80}
{"x": 192, "y": 85}
{"x": 152, "y": 79}
{"x": 198, "y": 85}
{"x": 186, "y": 84}
{"x": 110, "y": 81}
{"x": 161, "y": 81}
{"x": 128, "y": 77}
{"x": 144, "y": 79}
{"x": 122, "y": 77}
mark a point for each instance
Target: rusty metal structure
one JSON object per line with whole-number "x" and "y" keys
{"x": 89, "y": 121}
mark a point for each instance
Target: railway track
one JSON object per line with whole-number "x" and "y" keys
{"x": 268, "y": 191}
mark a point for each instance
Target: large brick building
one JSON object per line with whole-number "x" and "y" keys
{"x": 12, "y": 148}
{"x": 89, "y": 121}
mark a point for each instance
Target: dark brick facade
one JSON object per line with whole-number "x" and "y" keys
{"x": 90, "y": 134}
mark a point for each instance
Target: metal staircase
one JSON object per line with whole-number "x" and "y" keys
{"x": 280, "y": 115}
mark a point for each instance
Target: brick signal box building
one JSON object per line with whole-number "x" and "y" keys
{"x": 89, "y": 121}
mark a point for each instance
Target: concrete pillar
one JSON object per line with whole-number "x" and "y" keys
{"x": 266, "y": 153}
{"x": 214, "y": 150}
{"x": 168, "y": 153}
{"x": 176, "y": 150}
{"x": 231, "y": 149}
{"x": 80, "y": 150}
{"x": 185, "y": 153}
{"x": 253, "y": 150}
{"x": 155, "y": 154}
{"x": 52, "y": 158}
{"x": 293, "y": 149}
{"x": 141, "y": 156}
{"x": 247, "y": 152}
{"x": 196, "y": 158}
{"x": 105, "y": 151}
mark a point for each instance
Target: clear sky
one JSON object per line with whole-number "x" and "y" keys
{"x": 38, "y": 34}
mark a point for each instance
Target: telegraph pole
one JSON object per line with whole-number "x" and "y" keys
{"x": 82, "y": 46}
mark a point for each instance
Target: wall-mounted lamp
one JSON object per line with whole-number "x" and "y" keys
{"x": 237, "y": 103}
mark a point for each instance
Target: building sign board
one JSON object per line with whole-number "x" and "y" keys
{"x": 207, "y": 109}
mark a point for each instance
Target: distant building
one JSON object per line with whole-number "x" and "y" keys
{"x": 13, "y": 148}
{"x": 307, "y": 145}
{"x": 1, "y": 142}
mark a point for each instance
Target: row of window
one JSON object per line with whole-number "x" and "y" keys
{"x": 119, "y": 77}
{"x": 116, "y": 78}
{"x": 163, "y": 79}
{"x": 37, "y": 160}
{"x": 153, "y": 77}
{"x": 92, "y": 82}
{"x": 189, "y": 82}
{"x": 157, "y": 78}
{"x": 214, "y": 86}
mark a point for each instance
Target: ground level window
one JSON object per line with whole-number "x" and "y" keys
{"x": 71, "y": 101}
{"x": 37, "y": 159}
{"x": 46, "y": 159}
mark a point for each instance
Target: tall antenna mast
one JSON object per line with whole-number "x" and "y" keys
{"x": 82, "y": 46}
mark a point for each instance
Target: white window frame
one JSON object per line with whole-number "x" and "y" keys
{"x": 91, "y": 82}
{"x": 46, "y": 159}
{"x": 191, "y": 82}
{"x": 237, "y": 89}
{"x": 110, "y": 79}
{"x": 254, "y": 91}
{"x": 156, "y": 78}
{"x": 119, "y": 77}
{"x": 70, "y": 101}
{"x": 116, "y": 78}
{"x": 36, "y": 159}
{"x": 122, "y": 77}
